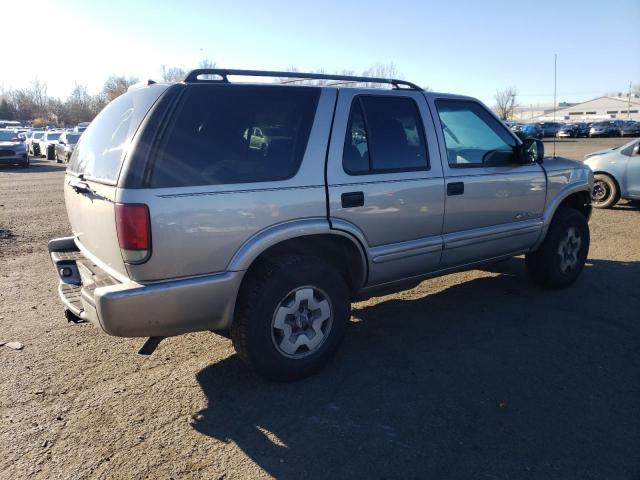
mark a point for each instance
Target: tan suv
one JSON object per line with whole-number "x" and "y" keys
{"x": 185, "y": 219}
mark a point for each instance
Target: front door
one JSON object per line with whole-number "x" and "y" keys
{"x": 385, "y": 181}
{"x": 493, "y": 205}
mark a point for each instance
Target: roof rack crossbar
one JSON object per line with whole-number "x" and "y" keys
{"x": 193, "y": 75}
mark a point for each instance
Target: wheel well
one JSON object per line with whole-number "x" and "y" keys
{"x": 341, "y": 252}
{"x": 580, "y": 201}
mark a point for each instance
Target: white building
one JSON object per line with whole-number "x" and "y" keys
{"x": 601, "y": 108}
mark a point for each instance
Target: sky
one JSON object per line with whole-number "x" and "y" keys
{"x": 467, "y": 47}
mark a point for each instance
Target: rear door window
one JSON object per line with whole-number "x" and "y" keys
{"x": 102, "y": 146}
{"x": 384, "y": 134}
{"x": 224, "y": 134}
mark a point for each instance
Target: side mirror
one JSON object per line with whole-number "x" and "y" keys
{"x": 531, "y": 151}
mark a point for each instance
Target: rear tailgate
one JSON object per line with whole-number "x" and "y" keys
{"x": 95, "y": 164}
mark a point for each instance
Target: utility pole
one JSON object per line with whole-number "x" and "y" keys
{"x": 629, "y": 102}
{"x": 555, "y": 84}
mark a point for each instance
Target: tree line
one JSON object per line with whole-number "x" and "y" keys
{"x": 32, "y": 105}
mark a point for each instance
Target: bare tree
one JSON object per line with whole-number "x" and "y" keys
{"x": 172, "y": 74}
{"x": 206, "y": 63}
{"x": 78, "y": 107}
{"x": 506, "y": 102}
{"x": 116, "y": 86}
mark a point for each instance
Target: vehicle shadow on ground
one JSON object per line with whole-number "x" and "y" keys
{"x": 490, "y": 378}
{"x": 628, "y": 205}
{"x": 35, "y": 166}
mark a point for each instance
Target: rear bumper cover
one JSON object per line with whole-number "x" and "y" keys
{"x": 132, "y": 309}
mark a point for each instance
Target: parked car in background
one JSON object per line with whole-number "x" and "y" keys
{"x": 33, "y": 142}
{"x": 616, "y": 174}
{"x": 528, "y": 130}
{"x": 65, "y": 146}
{"x": 81, "y": 127}
{"x": 630, "y": 129}
{"x": 13, "y": 150}
{"x": 568, "y": 130}
{"x": 550, "y": 129}
{"x": 607, "y": 128}
{"x": 48, "y": 144}
{"x": 200, "y": 229}
{"x": 582, "y": 129}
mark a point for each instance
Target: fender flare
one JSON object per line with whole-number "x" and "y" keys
{"x": 253, "y": 247}
{"x": 550, "y": 210}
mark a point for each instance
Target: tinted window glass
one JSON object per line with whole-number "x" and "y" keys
{"x": 102, "y": 147}
{"x": 473, "y": 137}
{"x": 225, "y": 134}
{"x": 355, "y": 157}
{"x": 388, "y": 135}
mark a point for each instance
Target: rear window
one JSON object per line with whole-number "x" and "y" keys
{"x": 225, "y": 134}
{"x": 102, "y": 147}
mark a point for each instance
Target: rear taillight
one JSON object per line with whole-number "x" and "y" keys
{"x": 134, "y": 231}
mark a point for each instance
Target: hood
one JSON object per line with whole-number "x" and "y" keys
{"x": 561, "y": 163}
{"x": 601, "y": 152}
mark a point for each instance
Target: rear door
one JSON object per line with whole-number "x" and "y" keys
{"x": 385, "y": 180}
{"x": 96, "y": 161}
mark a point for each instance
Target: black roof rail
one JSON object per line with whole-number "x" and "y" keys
{"x": 223, "y": 73}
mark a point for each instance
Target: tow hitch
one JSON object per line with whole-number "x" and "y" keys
{"x": 150, "y": 345}
{"x": 72, "y": 317}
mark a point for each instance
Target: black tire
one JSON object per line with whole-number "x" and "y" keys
{"x": 25, "y": 163}
{"x": 545, "y": 265}
{"x": 605, "y": 191}
{"x": 263, "y": 292}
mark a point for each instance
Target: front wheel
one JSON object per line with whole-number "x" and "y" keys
{"x": 605, "y": 192}
{"x": 558, "y": 261}
{"x": 291, "y": 316}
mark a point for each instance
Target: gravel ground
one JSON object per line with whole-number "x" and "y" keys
{"x": 472, "y": 375}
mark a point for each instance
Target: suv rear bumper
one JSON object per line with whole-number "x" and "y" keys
{"x": 132, "y": 309}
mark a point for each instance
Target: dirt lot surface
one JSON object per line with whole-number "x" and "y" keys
{"x": 473, "y": 375}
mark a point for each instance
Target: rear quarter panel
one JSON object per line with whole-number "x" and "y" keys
{"x": 197, "y": 230}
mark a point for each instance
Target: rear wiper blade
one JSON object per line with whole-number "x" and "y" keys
{"x": 80, "y": 186}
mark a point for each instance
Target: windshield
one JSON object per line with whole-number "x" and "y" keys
{"x": 53, "y": 136}
{"x": 38, "y": 135}
{"x": 7, "y": 136}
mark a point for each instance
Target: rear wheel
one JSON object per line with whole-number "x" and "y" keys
{"x": 291, "y": 316}
{"x": 560, "y": 258}
{"x": 605, "y": 192}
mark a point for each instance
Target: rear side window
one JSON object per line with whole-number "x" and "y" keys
{"x": 101, "y": 149}
{"x": 224, "y": 134}
{"x": 384, "y": 134}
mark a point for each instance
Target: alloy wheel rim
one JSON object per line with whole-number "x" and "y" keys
{"x": 569, "y": 250}
{"x": 301, "y": 322}
{"x": 600, "y": 192}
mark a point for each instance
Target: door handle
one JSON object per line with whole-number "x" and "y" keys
{"x": 352, "y": 199}
{"x": 455, "y": 188}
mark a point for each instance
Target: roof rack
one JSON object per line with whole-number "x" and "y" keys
{"x": 223, "y": 73}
